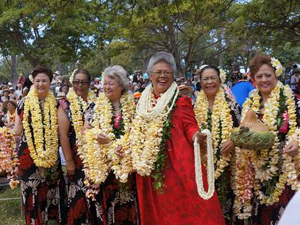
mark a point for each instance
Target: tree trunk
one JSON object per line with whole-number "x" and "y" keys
{"x": 14, "y": 61}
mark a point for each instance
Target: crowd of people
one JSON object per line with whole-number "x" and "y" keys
{"x": 130, "y": 145}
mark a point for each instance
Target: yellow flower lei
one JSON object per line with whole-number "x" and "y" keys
{"x": 99, "y": 159}
{"x": 289, "y": 171}
{"x": 43, "y": 147}
{"x": 220, "y": 114}
{"x": 78, "y": 106}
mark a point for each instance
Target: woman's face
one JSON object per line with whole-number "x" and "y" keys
{"x": 210, "y": 82}
{"x": 81, "y": 84}
{"x": 265, "y": 79}
{"x": 161, "y": 77}
{"x": 11, "y": 106}
{"x": 112, "y": 89}
{"x": 42, "y": 84}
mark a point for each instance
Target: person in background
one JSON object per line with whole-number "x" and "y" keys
{"x": 287, "y": 76}
{"x": 5, "y": 96}
{"x": 242, "y": 89}
{"x": 294, "y": 81}
{"x": 9, "y": 107}
{"x": 19, "y": 90}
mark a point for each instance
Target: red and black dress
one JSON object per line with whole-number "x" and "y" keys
{"x": 116, "y": 203}
{"x": 78, "y": 209}
{"x": 43, "y": 190}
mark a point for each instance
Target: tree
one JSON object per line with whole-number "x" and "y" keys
{"x": 49, "y": 31}
{"x": 185, "y": 28}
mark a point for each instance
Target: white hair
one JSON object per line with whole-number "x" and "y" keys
{"x": 162, "y": 57}
{"x": 120, "y": 73}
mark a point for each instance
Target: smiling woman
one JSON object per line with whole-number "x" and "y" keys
{"x": 275, "y": 170}
{"x": 161, "y": 137}
{"x": 214, "y": 110}
{"x": 41, "y": 178}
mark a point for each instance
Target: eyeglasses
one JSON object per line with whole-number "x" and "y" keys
{"x": 159, "y": 73}
{"x": 206, "y": 79}
{"x": 82, "y": 82}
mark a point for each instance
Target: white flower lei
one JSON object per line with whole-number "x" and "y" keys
{"x": 36, "y": 140}
{"x": 99, "y": 159}
{"x": 220, "y": 114}
{"x": 290, "y": 168}
{"x": 147, "y": 128}
{"x": 210, "y": 168}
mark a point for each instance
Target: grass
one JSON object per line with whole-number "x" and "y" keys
{"x": 10, "y": 210}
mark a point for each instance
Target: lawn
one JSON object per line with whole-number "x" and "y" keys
{"x": 10, "y": 210}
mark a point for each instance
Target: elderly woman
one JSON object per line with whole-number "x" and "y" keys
{"x": 215, "y": 111}
{"x": 41, "y": 177}
{"x": 70, "y": 123}
{"x": 162, "y": 136}
{"x": 108, "y": 164}
{"x": 275, "y": 172}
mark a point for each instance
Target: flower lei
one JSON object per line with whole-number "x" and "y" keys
{"x": 42, "y": 141}
{"x": 150, "y": 130}
{"x": 270, "y": 166}
{"x": 8, "y": 156}
{"x": 221, "y": 125}
{"x": 99, "y": 159}
{"x": 210, "y": 168}
{"x": 78, "y": 106}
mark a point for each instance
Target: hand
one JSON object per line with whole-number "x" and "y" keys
{"x": 227, "y": 147}
{"x": 102, "y": 139}
{"x": 291, "y": 148}
{"x": 70, "y": 165}
{"x": 119, "y": 151}
{"x": 201, "y": 139}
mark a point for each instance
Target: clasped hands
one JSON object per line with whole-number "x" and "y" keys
{"x": 103, "y": 139}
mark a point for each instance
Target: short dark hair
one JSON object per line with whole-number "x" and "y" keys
{"x": 206, "y": 68}
{"x": 84, "y": 71}
{"x": 42, "y": 69}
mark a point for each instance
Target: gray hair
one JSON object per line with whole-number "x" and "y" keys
{"x": 120, "y": 73}
{"x": 162, "y": 57}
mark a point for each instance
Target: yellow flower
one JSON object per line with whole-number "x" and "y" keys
{"x": 42, "y": 140}
{"x": 220, "y": 134}
{"x": 99, "y": 159}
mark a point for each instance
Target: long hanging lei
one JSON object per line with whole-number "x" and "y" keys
{"x": 42, "y": 140}
{"x": 150, "y": 131}
{"x": 78, "y": 106}
{"x": 219, "y": 122}
{"x": 99, "y": 159}
{"x": 268, "y": 166}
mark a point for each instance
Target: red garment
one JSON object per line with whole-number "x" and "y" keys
{"x": 180, "y": 203}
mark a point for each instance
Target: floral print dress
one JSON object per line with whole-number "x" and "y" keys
{"x": 116, "y": 203}
{"x": 43, "y": 190}
{"x": 78, "y": 209}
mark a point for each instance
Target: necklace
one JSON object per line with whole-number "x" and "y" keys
{"x": 42, "y": 140}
